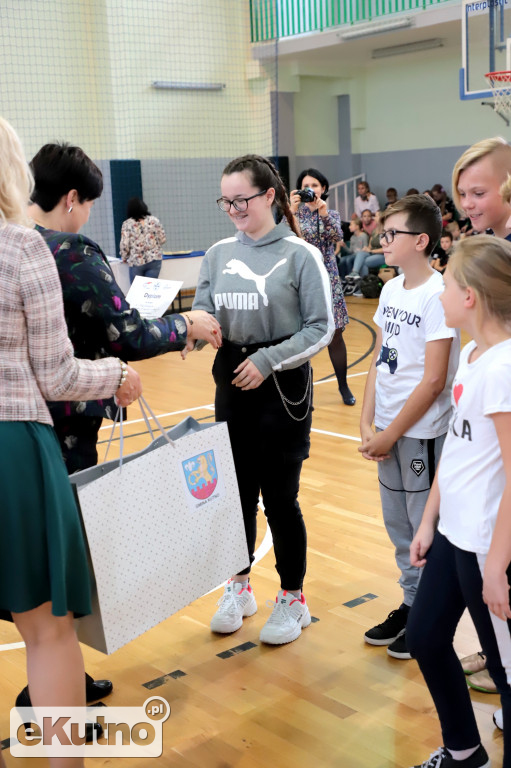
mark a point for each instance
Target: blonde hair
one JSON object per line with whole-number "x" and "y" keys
{"x": 483, "y": 263}
{"x": 476, "y": 152}
{"x": 16, "y": 181}
{"x": 505, "y": 189}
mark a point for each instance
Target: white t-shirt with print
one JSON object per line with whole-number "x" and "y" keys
{"x": 409, "y": 318}
{"x": 471, "y": 474}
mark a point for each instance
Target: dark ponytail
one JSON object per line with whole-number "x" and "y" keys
{"x": 265, "y": 175}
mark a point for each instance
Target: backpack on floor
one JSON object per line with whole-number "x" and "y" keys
{"x": 371, "y": 286}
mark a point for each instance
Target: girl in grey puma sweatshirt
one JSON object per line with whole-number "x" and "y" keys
{"x": 270, "y": 292}
{"x": 266, "y": 289}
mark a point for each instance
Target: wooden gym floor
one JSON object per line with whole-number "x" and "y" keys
{"x": 327, "y": 699}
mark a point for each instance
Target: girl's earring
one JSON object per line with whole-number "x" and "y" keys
{"x": 70, "y": 209}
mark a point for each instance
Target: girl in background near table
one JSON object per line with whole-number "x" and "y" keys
{"x": 142, "y": 238}
{"x": 464, "y": 540}
{"x": 44, "y": 576}
{"x": 322, "y": 227}
{"x": 271, "y": 294}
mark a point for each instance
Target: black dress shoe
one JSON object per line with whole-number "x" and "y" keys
{"x": 97, "y": 689}
{"x": 347, "y": 397}
{"x": 94, "y": 690}
{"x": 23, "y": 700}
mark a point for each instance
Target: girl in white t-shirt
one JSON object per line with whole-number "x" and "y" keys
{"x": 464, "y": 539}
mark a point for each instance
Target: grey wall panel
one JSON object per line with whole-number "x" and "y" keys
{"x": 100, "y": 226}
{"x": 283, "y": 121}
{"x": 419, "y": 168}
{"x": 329, "y": 165}
{"x": 182, "y": 193}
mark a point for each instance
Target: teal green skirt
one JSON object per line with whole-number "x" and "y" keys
{"x": 42, "y": 549}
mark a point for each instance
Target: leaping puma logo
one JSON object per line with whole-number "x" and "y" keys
{"x": 237, "y": 267}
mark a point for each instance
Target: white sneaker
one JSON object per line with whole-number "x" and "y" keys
{"x": 498, "y": 719}
{"x": 289, "y": 616}
{"x": 236, "y": 603}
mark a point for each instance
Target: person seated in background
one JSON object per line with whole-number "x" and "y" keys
{"x": 371, "y": 255}
{"x": 446, "y": 205}
{"x": 365, "y": 199}
{"x": 412, "y": 191}
{"x": 391, "y": 195}
{"x": 454, "y": 228}
{"x": 358, "y": 241}
{"x": 368, "y": 222}
{"x": 142, "y": 238}
{"x": 441, "y": 254}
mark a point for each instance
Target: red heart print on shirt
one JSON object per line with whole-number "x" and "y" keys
{"x": 457, "y": 392}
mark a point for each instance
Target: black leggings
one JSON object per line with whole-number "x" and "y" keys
{"x": 450, "y": 583}
{"x": 268, "y": 448}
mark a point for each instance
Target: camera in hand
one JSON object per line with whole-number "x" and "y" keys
{"x": 307, "y": 195}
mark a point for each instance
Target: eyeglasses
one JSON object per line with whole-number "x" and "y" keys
{"x": 389, "y": 234}
{"x": 240, "y": 204}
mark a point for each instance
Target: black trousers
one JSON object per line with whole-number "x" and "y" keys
{"x": 269, "y": 448}
{"x": 450, "y": 583}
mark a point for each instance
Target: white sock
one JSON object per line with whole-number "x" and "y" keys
{"x": 241, "y": 580}
{"x": 462, "y": 754}
{"x": 296, "y": 593}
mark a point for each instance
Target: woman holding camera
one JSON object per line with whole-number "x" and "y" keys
{"x": 322, "y": 227}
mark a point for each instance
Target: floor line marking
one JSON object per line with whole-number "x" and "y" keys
{"x": 336, "y": 434}
{"x": 211, "y": 406}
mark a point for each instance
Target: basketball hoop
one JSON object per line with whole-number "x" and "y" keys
{"x": 500, "y": 84}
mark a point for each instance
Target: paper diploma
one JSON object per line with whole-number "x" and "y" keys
{"x": 152, "y": 296}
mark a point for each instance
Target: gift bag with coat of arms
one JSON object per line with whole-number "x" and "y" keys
{"x": 162, "y": 529}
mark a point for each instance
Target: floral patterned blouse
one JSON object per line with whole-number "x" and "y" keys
{"x": 142, "y": 240}
{"x": 324, "y": 233}
{"x": 99, "y": 321}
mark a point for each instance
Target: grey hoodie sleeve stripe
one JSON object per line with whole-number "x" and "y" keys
{"x": 319, "y": 326}
{"x": 327, "y": 292}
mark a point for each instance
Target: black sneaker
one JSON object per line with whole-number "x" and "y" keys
{"x": 443, "y": 759}
{"x": 386, "y": 633}
{"x": 398, "y": 649}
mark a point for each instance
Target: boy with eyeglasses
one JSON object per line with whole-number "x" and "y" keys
{"x": 407, "y": 393}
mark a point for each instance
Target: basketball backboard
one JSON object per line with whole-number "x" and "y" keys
{"x": 486, "y": 44}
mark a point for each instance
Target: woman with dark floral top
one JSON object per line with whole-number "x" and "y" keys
{"x": 322, "y": 227}
{"x": 100, "y": 322}
{"x": 142, "y": 238}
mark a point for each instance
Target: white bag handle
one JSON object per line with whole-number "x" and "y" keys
{"x": 118, "y": 418}
{"x": 144, "y": 405}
